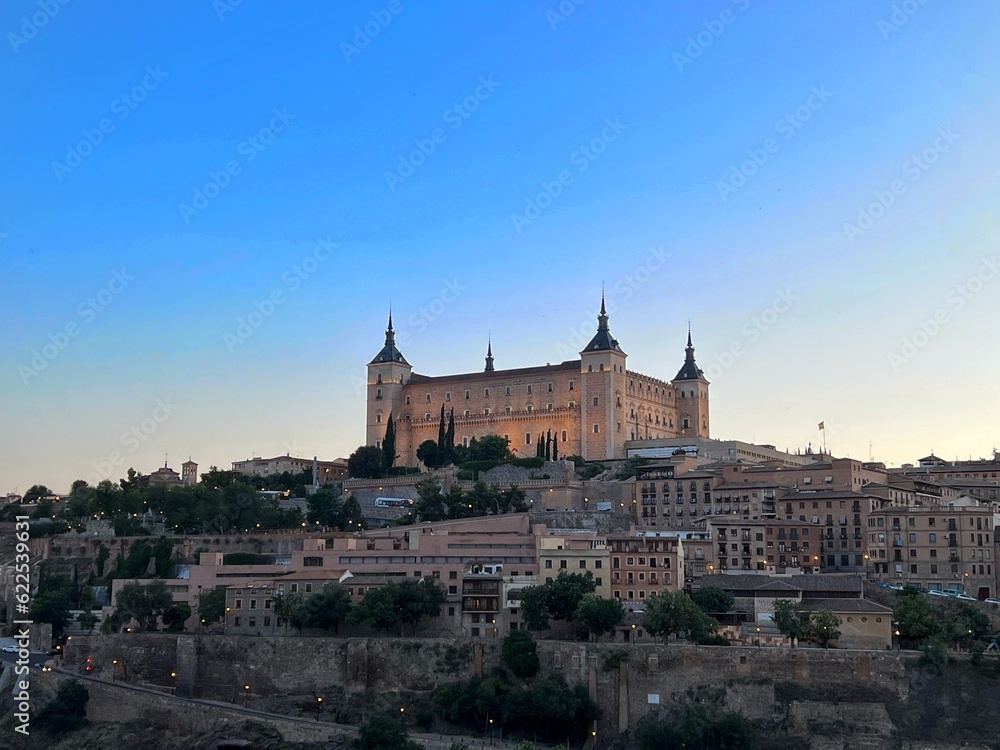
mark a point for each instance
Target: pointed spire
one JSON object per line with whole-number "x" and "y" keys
{"x": 389, "y": 352}
{"x": 603, "y": 340}
{"x": 689, "y": 370}
{"x": 489, "y": 354}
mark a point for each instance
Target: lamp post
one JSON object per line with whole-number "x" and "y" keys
{"x": 246, "y": 696}
{"x": 758, "y": 637}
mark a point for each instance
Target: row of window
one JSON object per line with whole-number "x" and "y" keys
{"x": 251, "y": 622}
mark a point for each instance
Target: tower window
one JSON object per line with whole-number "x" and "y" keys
{"x": 602, "y": 367}
{"x": 550, "y": 387}
{"x": 564, "y": 436}
{"x": 378, "y": 416}
{"x": 407, "y": 400}
{"x": 549, "y": 407}
{"x": 529, "y": 389}
{"x": 447, "y": 396}
{"x": 507, "y": 391}
{"x": 486, "y": 410}
{"x": 571, "y": 385}
{"x": 486, "y": 392}
{"x": 378, "y": 393}
{"x": 527, "y": 438}
{"x": 590, "y": 368}
{"x": 596, "y": 400}
{"x": 597, "y": 428}
{"x": 427, "y": 414}
{"x": 379, "y": 379}
{"x": 507, "y": 409}
{"x": 687, "y": 423}
{"x": 428, "y": 398}
{"x": 466, "y": 412}
{"x": 467, "y": 394}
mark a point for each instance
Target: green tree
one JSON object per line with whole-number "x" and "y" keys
{"x": 53, "y": 602}
{"x": 35, "y": 493}
{"x": 290, "y": 609}
{"x": 348, "y": 515}
{"x": 87, "y": 620}
{"x": 519, "y": 654}
{"x": 824, "y": 627}
{"x": 67, "y": 711}
{"x": 384, "y": 732}
{"x": 490, "y": 448}
{"x": 598, "y": 615}
{"x": 367, "y": 462}
{"x": 377, "y": 610}
{"x": 389, "y": 442}
{"x": 713, "y": 600}
{"x": 917, "y": 619}
{"x": 698, "y": 728}
{"x": 327, "y": 608}
{"x": 789, "y": 619}
{"x": 144, "y": 603}
{"x": 212, "y": 604}
{"x": 565, "y": 593}
{"x": 175, "y": 616}
{"x": 533, "y": 610}
{"x": 322, "y": 507}
{"x": 671, "y": 613}
{"x": 428, "y": 454}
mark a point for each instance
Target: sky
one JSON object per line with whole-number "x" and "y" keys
{"x": 207, "y": 209}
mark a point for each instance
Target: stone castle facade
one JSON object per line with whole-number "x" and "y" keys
{"x": 592, "y": 405}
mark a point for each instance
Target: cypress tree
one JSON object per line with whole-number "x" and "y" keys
{"x": 389, "y": 442}
{"x": 449, "y": 437}
{"x": 548, "y": 446}
{"x": 555, "y": 448}
{"x": 441, "y": 434}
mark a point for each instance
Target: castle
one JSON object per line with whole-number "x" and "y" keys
{"x": 592, "y": 405}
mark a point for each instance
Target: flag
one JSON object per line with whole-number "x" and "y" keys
{"x": 821, "y": 426}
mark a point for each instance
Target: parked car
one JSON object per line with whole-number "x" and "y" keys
{"x": 966, "y": 597}
{"x": 9, "y": 649}
{"x": 937, "y": 592}
{"x": 991, "y": 600}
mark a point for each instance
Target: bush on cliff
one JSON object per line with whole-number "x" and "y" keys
{"x": 697, "y": 728}
{"x": 67, "y": 712}
{"x": 519, "y": 654}
{"x": 384, "y": 732}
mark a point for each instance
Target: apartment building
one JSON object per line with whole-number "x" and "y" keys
{"x": 937, "y": 548}
{"x": 841, "y": 515}
{"x": 579, "y": 552}
{"x": 644, "y": 563}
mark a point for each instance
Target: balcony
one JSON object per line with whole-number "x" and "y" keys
{"x": 490, "y": 604}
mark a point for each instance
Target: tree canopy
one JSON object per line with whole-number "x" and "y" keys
{"x": 399, "y": 604}
{"x": 598, "y": 615}
{"x": 557, "y": 599}
{"x": 669, "y": 613}
{"x": 367, "y": 462}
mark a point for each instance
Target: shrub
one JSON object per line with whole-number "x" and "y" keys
{"x": 67, "y": 712}
{"x": 519, "y": 654}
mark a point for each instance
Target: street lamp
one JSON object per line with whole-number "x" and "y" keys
{"x": 758, "y": 637}
{"x": 246, "y": 696}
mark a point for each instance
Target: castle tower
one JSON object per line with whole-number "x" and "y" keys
{"x": 489, "y": 355}
{"x": 602, "y": 376}
{"x": 189, "y": 472}
{"x": 692, "y": 396}
{"x": 388, "y": 372}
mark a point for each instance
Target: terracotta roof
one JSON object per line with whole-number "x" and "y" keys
{"x": 846, "y": 605}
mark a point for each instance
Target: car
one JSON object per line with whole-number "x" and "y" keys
{"x": 965, "y": 597}
{"x": 937, "y": 592}
{"x": 896, "y": 586}
{"x": 9, "y": 649}
{"x": 991, "y": 600}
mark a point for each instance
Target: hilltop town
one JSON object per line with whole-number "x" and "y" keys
{"x": 572, "y": 533}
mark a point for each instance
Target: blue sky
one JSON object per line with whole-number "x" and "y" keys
{"x": 408, "y": 166}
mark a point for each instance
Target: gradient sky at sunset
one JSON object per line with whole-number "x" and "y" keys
{"x": 814, "y": 185}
